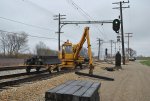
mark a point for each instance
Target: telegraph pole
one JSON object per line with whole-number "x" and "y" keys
{"x": 111, "y": 42}
{"x": 128, "y": 36}
{"x": 99, "y": 46}
{"x": 115, "y": 47}
{"x": 122, "y": 31}
{"x": 59, "y": 18}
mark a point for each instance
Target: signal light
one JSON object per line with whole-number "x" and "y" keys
{"x": 116, "y": 25}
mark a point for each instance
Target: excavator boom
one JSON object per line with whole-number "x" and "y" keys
{"x": 79, "y": 46}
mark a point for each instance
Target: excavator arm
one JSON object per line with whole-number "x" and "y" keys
{"x": 79, "y": 46}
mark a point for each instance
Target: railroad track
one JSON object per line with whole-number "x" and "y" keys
{"x": 9, "y": 68}
{"x": 20, "y": 74}
{"x": 16, "y": 79}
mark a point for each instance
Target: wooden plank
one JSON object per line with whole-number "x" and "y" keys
{"x": 79, "y": 93}
{"x": 97, "y": 97}
{"x": 96, "y": 84}
{"x": 82, "y": 83}
{"x": 50, "y": 94}
{"x": 95, "y": 76}
{"x": 89, "y": 84}
{"x": 89, "y": 95}
{"x": 60, "y": 93}
{"x": 74, "y": 90}
{"x": 75, "y": 83}
{"x": 68, "y": 95}
{"x": 92, "y": 93}
{"x": 69, "y": 82}
{"x": 63, "y": 90}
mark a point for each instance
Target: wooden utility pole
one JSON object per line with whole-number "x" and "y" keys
{"x": 128, "y": 36}
{"x": 111, "y": 44}
{"x": 122, "y": 31}
{"x": 99, "y": 46}
{"x": 115, "y": 47}
{"x": 59, "y": 17}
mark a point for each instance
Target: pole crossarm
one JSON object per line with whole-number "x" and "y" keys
{"x": 85, "y": 22}
{"x": 121, "y": 1}
{"x": 122, "y": 7}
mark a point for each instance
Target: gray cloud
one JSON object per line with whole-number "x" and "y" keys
{"x": 40, "y": 13}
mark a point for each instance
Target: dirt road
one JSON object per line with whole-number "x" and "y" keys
{"x": 131, "y": 84}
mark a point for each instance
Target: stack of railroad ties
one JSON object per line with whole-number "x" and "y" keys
{"x": 74, "y": 90}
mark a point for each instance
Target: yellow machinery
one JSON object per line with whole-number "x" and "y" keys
{"x": 69, "y": 54}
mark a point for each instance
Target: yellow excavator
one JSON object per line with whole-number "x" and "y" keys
{"x": 69, "y": 54}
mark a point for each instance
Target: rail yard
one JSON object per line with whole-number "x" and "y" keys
{"x": 128, "y": 83}
{"x": 74, "y": 50}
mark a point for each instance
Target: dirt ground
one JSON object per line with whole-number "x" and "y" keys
{"x": 10, "y": 61}
{"x": 131, "y": 84}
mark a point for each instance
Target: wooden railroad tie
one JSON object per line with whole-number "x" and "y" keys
{"x": 74, "y": 90}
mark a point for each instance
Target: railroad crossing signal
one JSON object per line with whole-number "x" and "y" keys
{"x": 116, "y": 25}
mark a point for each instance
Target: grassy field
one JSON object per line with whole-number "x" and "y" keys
{"x": 145, "y": 62}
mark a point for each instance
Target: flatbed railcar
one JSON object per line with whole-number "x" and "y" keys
{"x": 38, "y": 62}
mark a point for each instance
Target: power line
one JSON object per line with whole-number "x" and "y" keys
{"x": 36, "y": 5}
{"x": 31, "y": 35}
{"x": 85, "y": 14}
{"x": 26, "y": 24}
{"x": 79, "y": 9}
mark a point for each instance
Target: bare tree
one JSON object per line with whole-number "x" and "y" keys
{"x": 13, "y": 43}
{"x": 3, "y": 42}
{"x": 42, "y": 49}
{"x": 84, "y": 52}
{"x": 132, "y": 52}
{"x": 21, "y": 43}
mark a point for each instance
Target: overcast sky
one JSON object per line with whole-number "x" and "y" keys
{"x": 41, "y": 12}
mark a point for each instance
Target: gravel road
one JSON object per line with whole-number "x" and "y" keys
{"x": 131, "y": 84}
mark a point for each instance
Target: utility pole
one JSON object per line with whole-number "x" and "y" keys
{"x": 99, "y": 46}
{"x": 122, "y": 31}
{"x": 115, "y": 47}
{"x": 59, "y": 18}
{"x": 111, "y": 42}
{"x": 128, "y": 36}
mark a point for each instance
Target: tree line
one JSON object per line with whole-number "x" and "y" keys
{"x": 11, "y": 44}
{"x": 16, "y": 44}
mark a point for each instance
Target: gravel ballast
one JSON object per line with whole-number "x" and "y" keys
{"x": 36, "y": 91}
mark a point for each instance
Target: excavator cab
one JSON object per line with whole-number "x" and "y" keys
{"x": 66, "y": 55}
{"x": 67, "y": 52}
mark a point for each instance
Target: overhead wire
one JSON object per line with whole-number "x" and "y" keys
{"x": 85, "y": 14}
{"x": 41, "y": 8}
{"x": 79, "y": 9}
{"x": 7, "y": 32}
{"x": 39, "y": 27}
{"x": 36, "y": 5}
{"x": 35, "y": 26}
